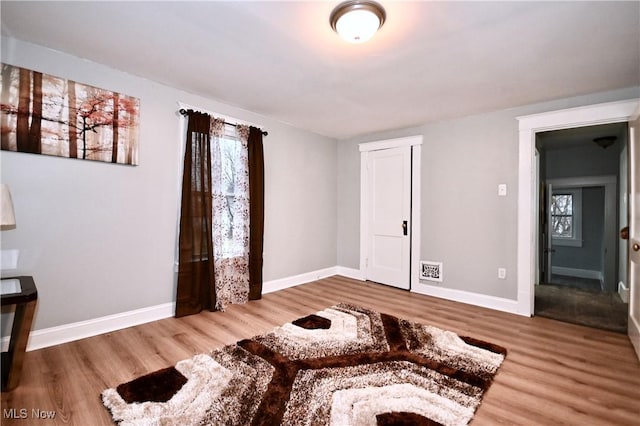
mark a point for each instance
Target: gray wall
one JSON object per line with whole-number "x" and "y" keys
{"x": 465, "y": 224}
{"x": 99, "y": 239}
{"x": 583, "y": 160}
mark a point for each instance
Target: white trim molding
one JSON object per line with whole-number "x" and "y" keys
{"x": 476, "y": 299}
{"x": 611, "y": 112}
{"x": 391, "y": 143}
{"x": 353, "y": 273}
{"x": 65, "y": 333}
{"x": 623, "y": 291}
{"x": 282, "y": 283}
{"x": 52, "y": 336}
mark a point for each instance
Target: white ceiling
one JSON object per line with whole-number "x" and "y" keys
{"x": 430, "y": 61}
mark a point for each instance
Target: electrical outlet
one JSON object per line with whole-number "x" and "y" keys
{"x": 502, "y": 273}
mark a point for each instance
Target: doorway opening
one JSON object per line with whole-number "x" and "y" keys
{"x": 582, "y": 201}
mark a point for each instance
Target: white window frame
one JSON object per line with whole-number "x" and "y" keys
{"x": 576, "y": 238}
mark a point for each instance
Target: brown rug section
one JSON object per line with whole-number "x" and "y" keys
{"x": 156, "y": 387}
{"x": 592, "y": 308}
{"x": 312, "y": 322}
{"x": 345, "y": 365}
{"x": 404, "y": 419}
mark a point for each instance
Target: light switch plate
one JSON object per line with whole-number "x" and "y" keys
{"x": 502, "y": 273}
{"x": 9, "y": 259}
{"x": 502, "y": 189}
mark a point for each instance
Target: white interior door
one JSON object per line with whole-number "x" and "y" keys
{"x": 634, "y": 234}
{"x": 389, "y": 235}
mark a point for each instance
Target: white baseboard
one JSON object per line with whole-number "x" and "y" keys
{"x": 575, "y": 272}
{"x": 623, "y": 291}
{"x": 46, "y": 337}
{"x": 356, "y": 274}
{"x": 491, "y": 302}
{"x": 282, "y": 283}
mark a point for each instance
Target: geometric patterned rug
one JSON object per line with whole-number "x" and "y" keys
{"x": 345, "y": 365}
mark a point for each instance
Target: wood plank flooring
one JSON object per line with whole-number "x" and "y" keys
{"x": 555, "y": 373}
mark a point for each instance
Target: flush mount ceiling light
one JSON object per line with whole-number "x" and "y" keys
{"x": 357, "y": 21}
{"x": 605, "y": 141}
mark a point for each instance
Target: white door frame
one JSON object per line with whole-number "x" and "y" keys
{"x": 548, "y": 232}
{"x": 611, "y": 112}
{"x": 633, "y": 261}
{"x": 416, "y": 158}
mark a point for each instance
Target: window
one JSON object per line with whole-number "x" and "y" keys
{"x": 562, "y": 215}
{"x": 230, "y": 195}
{"x": 566, "y": 216}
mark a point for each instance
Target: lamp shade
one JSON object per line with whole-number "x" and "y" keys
{"x": 7, "y": 214}
{"x": 357, "y": 21}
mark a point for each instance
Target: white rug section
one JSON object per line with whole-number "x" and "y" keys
{"x": 344, "y": 328}
{"x": 206, "y": 381}
{"x": 360, "y": 406}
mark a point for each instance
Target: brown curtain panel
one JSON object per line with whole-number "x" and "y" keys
{"x": 195, "y": 272}
{"x": 256, "y": 211}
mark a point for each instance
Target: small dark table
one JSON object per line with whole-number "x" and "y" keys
{"x": 25, "y": 302}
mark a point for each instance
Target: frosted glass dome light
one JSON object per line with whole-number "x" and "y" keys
{"x": 357, "y": 21}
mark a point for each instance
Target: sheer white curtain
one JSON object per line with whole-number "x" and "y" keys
{"x": 230, "y": 192}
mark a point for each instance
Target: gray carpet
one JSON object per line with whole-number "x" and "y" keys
{"x": 592, "y": 308}
{"x": 575, "y": 282}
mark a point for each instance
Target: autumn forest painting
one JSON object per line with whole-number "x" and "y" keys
{"x": 43, "y": 114}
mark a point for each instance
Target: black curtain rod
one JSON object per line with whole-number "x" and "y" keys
{"x": 183, "y": 111}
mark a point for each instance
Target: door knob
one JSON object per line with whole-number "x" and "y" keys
{"x": 636, "y": 247}
{"x": 404, "y": 227}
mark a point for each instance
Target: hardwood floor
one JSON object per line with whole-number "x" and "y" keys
{"x": 555, "y": 373}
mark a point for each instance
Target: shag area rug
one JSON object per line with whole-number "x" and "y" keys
{"x": 345, "y": 365}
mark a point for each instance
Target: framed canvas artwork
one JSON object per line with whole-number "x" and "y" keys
{"x": 44, "y": 114}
